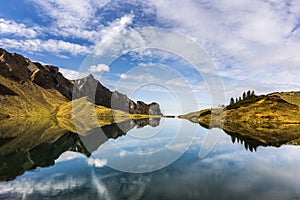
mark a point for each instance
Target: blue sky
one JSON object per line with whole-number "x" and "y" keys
{"x": 254, "y": 44}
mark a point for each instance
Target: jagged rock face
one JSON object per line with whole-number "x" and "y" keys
{"x": 13, "y": 66}
{"x": 90, "y": 87}
{"x": 154, "y": 109}
{"x": 20, "y": 69}
{"x": 100, "y": 95}
{"x": 48, "y": 76}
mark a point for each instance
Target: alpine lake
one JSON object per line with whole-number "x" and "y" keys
{"x": 164, "y": 158}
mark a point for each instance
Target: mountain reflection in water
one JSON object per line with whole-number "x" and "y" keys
{"x": 26, "y": 144}
{"x": 228, "y": 171}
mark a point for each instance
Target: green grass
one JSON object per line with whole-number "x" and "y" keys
{"x": 272, "y": 119}
{"x": 30, "y": 100}
{"x": 273, "y": 108}
{"x": 291, "y": 97}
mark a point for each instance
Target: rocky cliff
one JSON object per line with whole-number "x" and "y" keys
{"x": 17, "y": 68}
{"x": 100, "y": 95}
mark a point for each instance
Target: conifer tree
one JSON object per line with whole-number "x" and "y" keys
{"x": 248, "y": 93}
{"x": 244, "y": 95}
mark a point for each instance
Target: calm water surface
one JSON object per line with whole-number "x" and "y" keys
{"x": 229, "y": 171}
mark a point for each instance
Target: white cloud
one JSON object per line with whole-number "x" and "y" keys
{"x": 99, "y": 68}
{"x": 72, "y": 74}
{"x": 11, "y": 27}
{"x": 73, "y": 18}
{"x": 96, "y": 162}
{"x": 79, "y": 19}
{"x": 70, "y": 19}
{"x": 51, "y": 45}
{"x": 179, "y": 82}
{"x": 254, "y": 37}
{"x": 117, "y": 38}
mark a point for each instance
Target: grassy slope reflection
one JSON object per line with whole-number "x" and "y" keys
{"x": 28, "y": 143}
{"x": 267, "y": 134}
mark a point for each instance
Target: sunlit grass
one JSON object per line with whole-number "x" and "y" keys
{"x": 81, "y": 115}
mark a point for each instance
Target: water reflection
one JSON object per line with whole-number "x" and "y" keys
{"x": 251, "y": 136}
{"x": 26, "y": 144}
{"x": 248, "y": 143}
{"x": 228, "y": 172}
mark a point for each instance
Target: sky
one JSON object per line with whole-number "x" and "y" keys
{"x": 253, "y": 44}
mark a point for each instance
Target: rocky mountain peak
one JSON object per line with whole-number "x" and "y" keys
{"x": 100, "y": 95}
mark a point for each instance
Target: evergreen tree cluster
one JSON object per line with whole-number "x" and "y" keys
{"x": 249, "y": 95}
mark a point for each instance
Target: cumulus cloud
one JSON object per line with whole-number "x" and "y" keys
{"x": 80, "y": 19}
{"x": 38, "y": 45}
{"x": 11, "y": 27}
{"x": 113, "y": 36}
{"x": 258, "y": 39}
{"x": 73, "y": 18}
{"x": 99, "y": 68}
{"x": 72, "y": 74}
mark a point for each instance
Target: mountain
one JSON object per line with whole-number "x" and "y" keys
{"x": 31, "y": 89}
{"x": 271, "y": 119}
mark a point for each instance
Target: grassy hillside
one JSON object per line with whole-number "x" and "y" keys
{"x": 272, "y": 108}
{"x": 291, "y": 97}
{"x": 28, "y": 99}
{"x": 272, "y": 119}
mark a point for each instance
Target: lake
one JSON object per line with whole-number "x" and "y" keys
{"x": 174, "y": 158}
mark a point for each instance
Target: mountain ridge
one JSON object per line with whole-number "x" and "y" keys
{"x": 31, "y": 89}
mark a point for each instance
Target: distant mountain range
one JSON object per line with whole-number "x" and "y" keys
{"x": 31, "y": 89}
